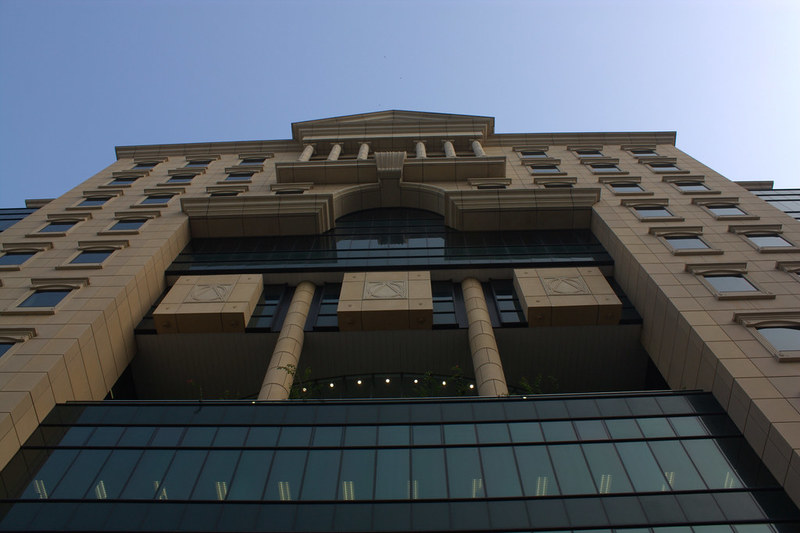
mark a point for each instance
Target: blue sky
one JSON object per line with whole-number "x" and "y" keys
{"x": 80, "y": 77}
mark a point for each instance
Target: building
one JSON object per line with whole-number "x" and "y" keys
{"x": 413, "y": 282}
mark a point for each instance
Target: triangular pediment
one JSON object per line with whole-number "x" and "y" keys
{"x": 392, "y": 123}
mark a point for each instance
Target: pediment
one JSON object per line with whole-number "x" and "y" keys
{"x": 392, "y": 123}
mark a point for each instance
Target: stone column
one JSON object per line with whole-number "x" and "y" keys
{"x": 485, "y": 358}
{"x": 421, "y": 153}
{"x": 336, "y": 149}
{"x": 308, "y": 151}
{"x": 478, "y": 149}
{"x": 363, "y": 151}
{"x": 280, "y": 376}
{"x": 449, "y": 150}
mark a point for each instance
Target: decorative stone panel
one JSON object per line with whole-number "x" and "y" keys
{"x": 566, "y": 297}
{"x": 209, "y": 304}
{"x": 385, "y": 300}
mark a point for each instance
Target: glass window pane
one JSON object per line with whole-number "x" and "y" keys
{"x": 182, "y": 475}
{"x": 128, "y": 224}
{"x": 360, "y": 436}
{"x": 88, "y": 256}
{"x": 607, "y": 470}
{"x": 713, "y": 466}
{"x": 536, "y": 471}
{"x": 15, "y": 258}
{"x": 558, "y": 431}
{"x": 650, "y": 212}
{"x": 688, "y": 426}
{"x": 500, "y": 472}
{"x": 642, "y": 468}
{"x": 591, "y": 430}
{"x": 464, "y": 473}
{"x": 691, "y": 186}
{"x": 526, "y": 432}
{"x": 148, "y": 474}
{"x": 492, "y": 433}
{"x": 262, "y": 436}
{"x": 199, "y": 436}
{"x": 653, "y": 428}
{"x": 428, "y": 474}
{"x": 459, "y": 434}
{"x": 782, "y": 339}
{"x": 284, "y": 479}
{"x": 251, "y": 472}
{"x": 571, "y": 471}
{"x": 686, "y": 243}
{"x": 45, "y": 481}
{"x": 358, "y": 472}
{"x": 295, "y": 436}
{"x": 327, "y": 436}
{"x": 626, "y": 187}
{"x": 322, "y": 473}
{"x": 427, "y": 435}
{"x": 215, "y": 479}
{"x": 725, "y": 210}
{"x": 105, "y": 436}
{"x": 136, "y": 436}
{"x": 167, "y": 436}
{"x": 623, "y": 429}
{"x": 230, "y": 437}
{"x": 676, "y": 465}
{"x": 769, "y": 240}
{"x": 393, "y": 435}
{"x": 731, "y": 283}
{"x": 45, "y": 298}
{"x": 391, "y": 478}
{"x": 114, "y": 474}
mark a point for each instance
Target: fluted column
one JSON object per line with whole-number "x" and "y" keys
{"x": 478, "y": 149}
{"x": 283, "y": 365}
{"x": 421, "y": 153}
{"x": 449, "y": 149}
{"x": 336, "y": 149}
{"x": 363, "y": 151}
{"x": 308, "y": 151}
{"x": 489, "y": 376}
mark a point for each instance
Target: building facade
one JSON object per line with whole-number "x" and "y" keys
{"x": 352, "y": 330}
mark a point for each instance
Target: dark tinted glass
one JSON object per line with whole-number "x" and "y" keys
{"x": 589, "y": 153}
{"x": 198, "y": 163}
{"x": 782, "y": 338}
{"x": 94, "y": 200}
{"x": 156, "y": 199}
{"x": 128, "y": 224}
{"x": 45, "y": 298}
{"x": 15, "y": 258}
{"x": 544, "y": 169}
{"x": 605, "y": 168}
{"x": 122, "y": 181}
{"x": 92, "y": 256}
{"x": 643, "y": 152}
{"x": 180, "y": 178}
{"x": 686, "y": 243}
{"x": 238, "y": 177}
{"x": 252, "y": 161}
{"x": 732, "y": 283}
{"x": 663, "y": 167}
{"x": 533, "y": 154}
{"x": 5, "y": 346}
{"x": 57, "y": 227}
{"x": 146, "y": 165}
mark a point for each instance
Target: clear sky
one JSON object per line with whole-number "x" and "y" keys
{"x": 80, "y": 77}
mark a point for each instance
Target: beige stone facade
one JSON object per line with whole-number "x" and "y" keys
{"x": 637, "y": 193}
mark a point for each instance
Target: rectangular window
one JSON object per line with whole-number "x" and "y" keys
{"x": 181, "y": 178}
{"x": 604, "y": 168}
{"x": 15, "y": 258}
{"x": 624, "y": 187}
{"x": 252, "y": 160}
{"x": 156, "y": 199}
{"x": 58, "y": 226}
{"x": 45, "y": 298}
{"x": 691, "y": 186}
{"x": 769, "y": 240}
{"x": 91, "y": 256}
{"x": 686, "y": 243}
{"x": 730, "y": 283}
{"x": 128, "y": 224}
{"x": 652, "y": 212}
{"x": 198, "y": 163}
{"x": 533, "y": 154}
{"x": 94, "y": 201}
{"x": 123, "y": 181}
{"x": 725, "y": 210}
{"x": 544, "y": 169}
{"x": 588, "y": 153}
{"x": 663, "y": 167}
{"x": 239, "y": 176}
{"x": 5, "y": 346}
{"x": 644, "y": 152}
{"x": 146, "y": 164}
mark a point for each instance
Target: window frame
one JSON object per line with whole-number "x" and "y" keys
{"x": 108, "y": 194}
{"x": 702, "y": 270}
{"x": 555, "y": 182}
{"x": 228, "y": 180}
{"x": 706, "y": 204}
{"x": 665, "y": 233}
{"x": 527, "y": 159}
{"x": 169, "y": 194}
{"x": 653, "y": 166}
{"x": 76, "y": 218}
{"x": 129, "y": 215}
{"x": 89, "y": 246}
{"x": 641, "y": 192}
{"x": 763, "y": 230}
{"x": 616, "y": 171}
{"x": 634, "y": 204}
{"x": 753, "y": 320}
{"x": 15, "y": 337}
{"x": 43, "y": 285}
{"x": 552, "y": 170}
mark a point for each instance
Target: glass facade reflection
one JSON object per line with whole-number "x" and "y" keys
{"x": 618, "y": 461}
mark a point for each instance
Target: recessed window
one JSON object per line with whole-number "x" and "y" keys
{"x": 769, "y": 240}
{"x": 156, "y": 199}
{"x": 604, "y": 167}
{"x": 252, "y": 160}
{"x": 93, "y": 201}
{"x": 123, "y": 181}
{"x": 5, "y": 346}
{"x": 198, "y": 163}
{"x": 181, "y": 178}
{"x": 725, "y": 210}
{"x": 488, "y": 186}
{"x": 224, "y": 193}
{"x": 691, "y": 186}
{"x": 686, "y": 243}
{"x": 652, "y": 211}
{"x": 644, "y": 152}
{"x": 91, "y": 257}
{"x": 557, "y": 185}
{"x": 239, "y": 176}
{"x": 664, "y": 167}
{"x": 289, "y": 191}
{"x": 620, "y": 187}
{"x": 588, "y": 153}
{"x": 58, "y": 226}
{"x": 45, "y": 298}
{"x": 544, "y": 169}
{"x": 783, "y": 339}
{"x": 729, "y": 283}
{"x": 15, "y": 258}
{"x": 533, "y": 154}
{"x": 128, "y": 224}
{"x": 147, "y": 164}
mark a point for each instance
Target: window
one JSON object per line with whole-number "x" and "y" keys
{"x": 91, "y": 256}
{"x": 691, "y": 186}
{"x": 128, "y": 224}
{"x": 545, "y": 169}
{"x": 664, "y": 167}
{"x": 58, "y": 226}
{"x": 626, "y": 187}
{"x": 686, "y": 243}
{"x": 239, "y": 176}
{"x": 588, "y": 153}
{"x": 644, "y": 152}
{"x": 778, "y": 332}
{"x": 15, "y": 258}
{"x": 652, "y": 211}
{"x": 769, "y": 240}
{"x": 181, "y": 178}
{"x": 557, "y": 185}
{"x": 94, "y": 201}
{"x": 486, "y": 186}
{"x": 198, "y": 163}
{"x": 125, "y": 181}
{"x": 156, "y": 199}
{"x": 782, "y": 338}
{"x": 724, "y": 210}
{"x": 252, "y": 160}
{"x": 533, "y": 154}
{"x": 729, "y": 283}
{"x": 145, "y": 164}
{"x": 224, "y": 193}
{"x": 45, "y": 298}
{"x": 290, "y": 191}
{"x": 604, "y": 167}
{"x": 5, "y": 346}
